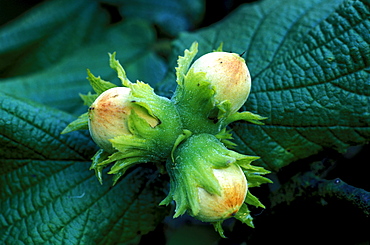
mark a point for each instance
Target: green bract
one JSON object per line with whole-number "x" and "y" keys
{"x": 201, "y": 102}
{"x": 185, "y": 135}
{"x": 194, "y": 180}
{"x": 137, "y": 140}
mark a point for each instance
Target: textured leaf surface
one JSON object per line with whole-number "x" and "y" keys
{"x": 310, "y": 68}
{"x": 47, "y": 193}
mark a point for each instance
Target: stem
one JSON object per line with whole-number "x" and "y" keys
{"x": 337, "y": 188}
{"x": 309, "y": 184}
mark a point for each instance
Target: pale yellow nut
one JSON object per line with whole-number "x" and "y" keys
{"x": 108, "y": 116}
{"x": 229, "y": 75}
{"x": 234, "y": 188}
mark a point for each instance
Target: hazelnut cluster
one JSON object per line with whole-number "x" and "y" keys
{"x": 187, "y": 134}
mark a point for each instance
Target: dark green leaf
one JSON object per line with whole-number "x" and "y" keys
{"x": 48, "y": 33}
{"x": 172, "y": 17}
{"x": 49, "y": 196}
{"x": 310, "y": 63}
{"x": 54, "y": 71}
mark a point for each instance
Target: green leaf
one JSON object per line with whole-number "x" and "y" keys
{"x": 48, "y": 192}
{"x": 48, "y": 64}
{"x": 47, "y": 34}
{"x": 172, "y": 17}
{"x": 309, "y": 62}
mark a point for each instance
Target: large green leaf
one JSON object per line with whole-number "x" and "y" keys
{"x": 49, "y": 66}
{"x": 49, "y": 196}
{"x": 48, "y": 33}
{"x": 310, "y": 68}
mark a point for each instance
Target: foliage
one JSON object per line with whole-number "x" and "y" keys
{"x": 310, "y": 68}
